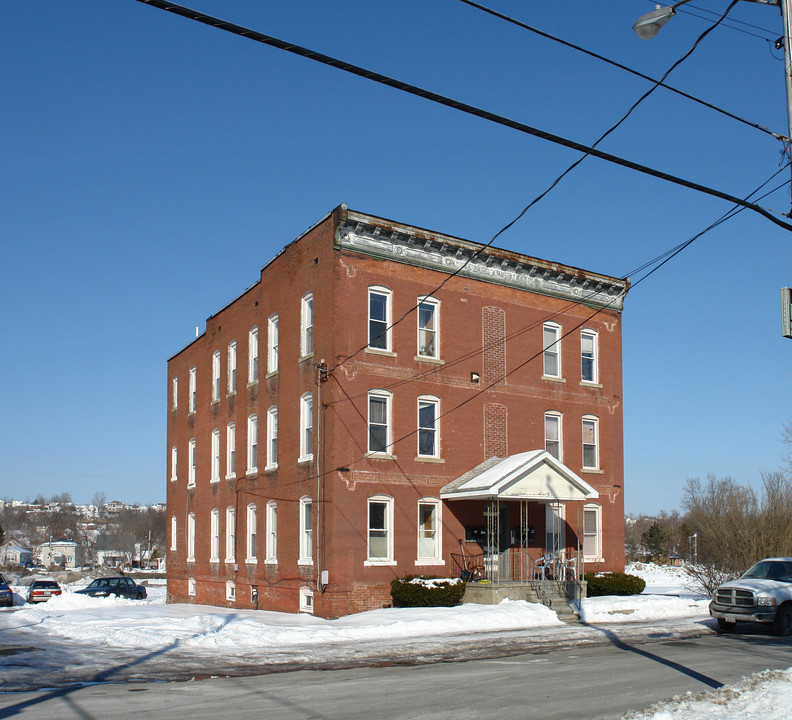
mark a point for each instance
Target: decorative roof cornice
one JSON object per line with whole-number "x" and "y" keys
{"x": 388, "y": 240}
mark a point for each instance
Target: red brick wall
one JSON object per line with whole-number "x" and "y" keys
{"x": 485, "y": 328}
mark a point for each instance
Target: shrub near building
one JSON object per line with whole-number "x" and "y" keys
{"x": 426, "y": 591}
{"x": 613, "y": 583}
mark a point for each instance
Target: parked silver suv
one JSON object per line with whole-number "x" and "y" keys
{"x": 762, "y": 595}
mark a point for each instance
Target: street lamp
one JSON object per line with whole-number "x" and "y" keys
{"x": 647, "y": 26}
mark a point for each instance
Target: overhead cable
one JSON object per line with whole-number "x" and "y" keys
{"x": 454, "y": 104}
{"x": 688, "y": 96}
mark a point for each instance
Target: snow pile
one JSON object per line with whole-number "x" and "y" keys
{"x": 763, "y": 696}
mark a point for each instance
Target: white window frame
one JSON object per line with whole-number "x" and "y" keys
{"x": 215, "y": 456}
{"x": 215, "y": 376}
{"x": 230, "y": 451}
{"x": 272, "y": 439}
{"x": 423, "y": 557}
{"x": 272, "y": 533}
{"x": 232, "y": 367}
{"x": 191, "y": 537}
{"x": 174, "y": 536}
{"x": 551, "y": 350}
{"x": 306, "y": 428}
{"x": 191, "y": 397}
{"x": 434, "y": 402}
{"x": 174, "y": 393}
{"x": 230, "y": 535}
{"x": 214, "y": 536}
{"x": 272, "y": 344}
{"x": 424, "y": 345}
{"x": 593, "y": 356}
{"x": 306, "y": 531}
{"x": 596, "y": 510}
{"x": 306, "y": 599}
{"x": 592, "y": 421}
{"x": 174, "y": 463}
{"x": 230, "y": 591}
{"x": 382, "y": 336}
{"x": 253, "y": 355}
{"x": 306, "y": 325}
{"x": 191, "y": 586}
{"x": 385, "y": 532}
{"x": 380, "y": 397}
{"x": 252, "y": 445}
{"x": 559, "y": 423}
{"x": 251, "y": 535}
{"x": 191, "y": 453}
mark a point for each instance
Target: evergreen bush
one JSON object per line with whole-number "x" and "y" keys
{"x": 613, "y": 583}
{"x": 426, "y": 591}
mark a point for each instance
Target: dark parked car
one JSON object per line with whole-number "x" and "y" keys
{"x": 119, "y": 586}
{"x": 6, "y": 596}
{"x": 42, "y": 590}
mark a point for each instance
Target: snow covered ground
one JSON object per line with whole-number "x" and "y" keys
{"x": 78, "y": 639}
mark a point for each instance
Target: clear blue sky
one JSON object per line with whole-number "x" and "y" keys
{"x": 152, "y": 165}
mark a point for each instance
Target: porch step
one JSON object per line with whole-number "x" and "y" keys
{"x": 553, "y": 596}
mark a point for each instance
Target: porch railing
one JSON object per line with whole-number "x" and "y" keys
{"x": 517, "y": 565}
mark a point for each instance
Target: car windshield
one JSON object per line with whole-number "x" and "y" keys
{"x": 2, "y": 580}
{"x": 771, "y": 570}
{"x": 96, "y": 583}
{"x": 46, "y": 584}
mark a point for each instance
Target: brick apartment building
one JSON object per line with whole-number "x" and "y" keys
{"x": 389, "y": 401}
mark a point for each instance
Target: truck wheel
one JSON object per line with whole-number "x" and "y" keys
{"x": 726, "y": 626}
{"x": 782, "y": 625}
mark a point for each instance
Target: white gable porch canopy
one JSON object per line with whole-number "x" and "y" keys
{"x": 535, "y": 475}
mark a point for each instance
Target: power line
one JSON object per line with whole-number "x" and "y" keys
{"x": 620, "y": 66}
{"x": 455, "y": 104}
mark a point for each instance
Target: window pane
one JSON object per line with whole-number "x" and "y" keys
{"x": 378, "y": 544}
{"x": 377, "y": 515}
{"x": 378, "y": 410}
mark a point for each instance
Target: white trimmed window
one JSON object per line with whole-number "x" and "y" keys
{"x": 380, "y": 535}
{"x": 272, "y": 438}
{"x": 175, "y": 393}
{"x": 193, "y": 389}
{"x": 428, "y": 427}
{"x": 215, "y": 455}
{"x": 306, "y": 599}
{"x": 592, "y": 532}
{"x": 232, "y": 367}
{"x": 214, "y": 534}
{"x": 272, "y": 532}
{"x": 551, "y": 346}
{"x": 173, "y": 533}
{"x": 589, "y": 370}
{"x": 306, "y": 325}
{"x": 428, "y": 328}
{"x": 191, "y": 537}
{"x": 253, "y": 355}
{"x": 379, "y": 425}
{"x": 379, "y": 318}
{"x": 174, "y": 463}
{"x": 252, "y": 444}
{"x": 216, "y": 376}
{"x": 306, "y": 427}
{"x": 191, "y": 464}
{"x": 428, "y": 531}
{"x": 306, "y": 531}
{"x": 230, "y": 590}
{"x": 552, "y": 432}
{"x": 231, "y": 451}
{"x": 230, "y": 535}
{"x": 272, "y": 344}
{"x": 251, "y": 533}
{"x": 191, "y": 586}
{"x": 590, "y": 442}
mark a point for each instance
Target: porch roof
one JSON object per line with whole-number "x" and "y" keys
{"x": 534, "y": 475}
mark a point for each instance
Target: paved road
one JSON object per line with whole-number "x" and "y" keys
{"x": 585, "y": 683}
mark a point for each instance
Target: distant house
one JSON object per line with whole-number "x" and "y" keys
{"x": 13, "y": 554}
{"x": 115, "y": 506}
{"x": 64, "y": 553}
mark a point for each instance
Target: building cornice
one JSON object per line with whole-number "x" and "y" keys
{"x": 387, "y": 240}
